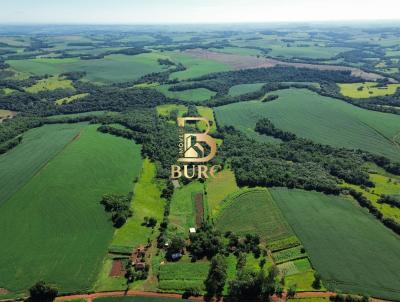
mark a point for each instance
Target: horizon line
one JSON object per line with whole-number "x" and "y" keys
{"x": 205, "y": 23}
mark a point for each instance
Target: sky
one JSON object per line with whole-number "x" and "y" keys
{"x": 194, "y": 11}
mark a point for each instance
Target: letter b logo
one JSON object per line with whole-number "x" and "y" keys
{"x": 193, "y": 150}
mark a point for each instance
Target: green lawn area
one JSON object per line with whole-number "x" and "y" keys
{"x": 252, "y": 211}
{"x": 146, "y": 202}
{"x": 38, "y": 147}
{"x": 190, "y": 95}
{"x": 350, "y": 248}
{"x": 368, "y": 90}
{"x": 182, "y": 212}
{"x": 322, "y": 119}
{"x": 112, "y": 68}
{"x": 218, "y": 189}
{"x": 195, "y": 67}
{"x": 54, "y": 227}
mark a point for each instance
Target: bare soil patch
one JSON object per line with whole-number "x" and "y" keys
{"x": 3, "y": 291}
{"x": 199, "y": 205}
{"x": 117, "y": 269}
{"x": 238, "y": 62}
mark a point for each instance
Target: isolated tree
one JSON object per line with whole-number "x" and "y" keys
{"x": 216, "y": 278}
{"x": 317, "y": 281}
{"x": 42, "y": 292}
{"x": 291, "y": 292}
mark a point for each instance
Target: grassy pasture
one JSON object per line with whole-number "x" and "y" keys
{"x": 7, "y": 91}
{"x": 166, "y": 109}
{"x": 146, "y": 202}
{"x": 218, "y": 189}
{"x": 70, "y": 99}
{"x": 4, "y": 114}
{"x": 244, "y": 88}
{"x": 38, "y": 147}
{"x": 190, "y": 95}
{"x": 182, "y": 211}
{"x": 51, "y": 83}
{"x": 367, "y": 90}
{"x": 384, "y": 184}
{"x": 253, "y": 211}
{"x": 112, "y": 68}
{"x": 303, "y": 281}
{"x": 322, "y": 119}
{"x": 350, "y": 248}
{"x": 106, "y": 283}
{"x": 208, "y": 113}
{"x": 195, "y": 67}
{"x": 54, "y": 228}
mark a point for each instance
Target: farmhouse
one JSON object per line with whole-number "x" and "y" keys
{"x": 138, "y": 257}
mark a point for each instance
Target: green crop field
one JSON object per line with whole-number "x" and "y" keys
{"x": 182, "y": 211}
{"x": 218, "y": 189}
{"x": 195, "y": 67}
{"x": 314, "y": 52}
{"x": 322, "y": 119}
{"x": 38, "y": 147}
{"x": 112, "y": 68}
{"x": 367, "y": 90}
{"x": 295, "y": 267}
{"x": 350, "y": 248}
{"x": 190, "y": 95}
{"x": 289, "y": 254}
{"x": 180, "y": 276}
{"x": 244, "y": 88}
{"x": 146, "y": 202}
{"x": 54, "y": 228}
{"x": 254, "y": 212}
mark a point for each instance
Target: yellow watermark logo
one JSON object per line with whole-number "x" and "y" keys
{"x": 195, "y": 148}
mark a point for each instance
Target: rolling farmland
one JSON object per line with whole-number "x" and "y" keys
{"x": 146, "y": 202}
{"x": 56, "y": 218}
{"x": 367, "y": 90}
{"x": 339, "y": 124}
{"x": 38, "y": 147}
{"x": 182, "y": 213}
{"x": 254, "y": 212}
{"x": 344, "y": 242}
{"x": 112, "y": 68}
